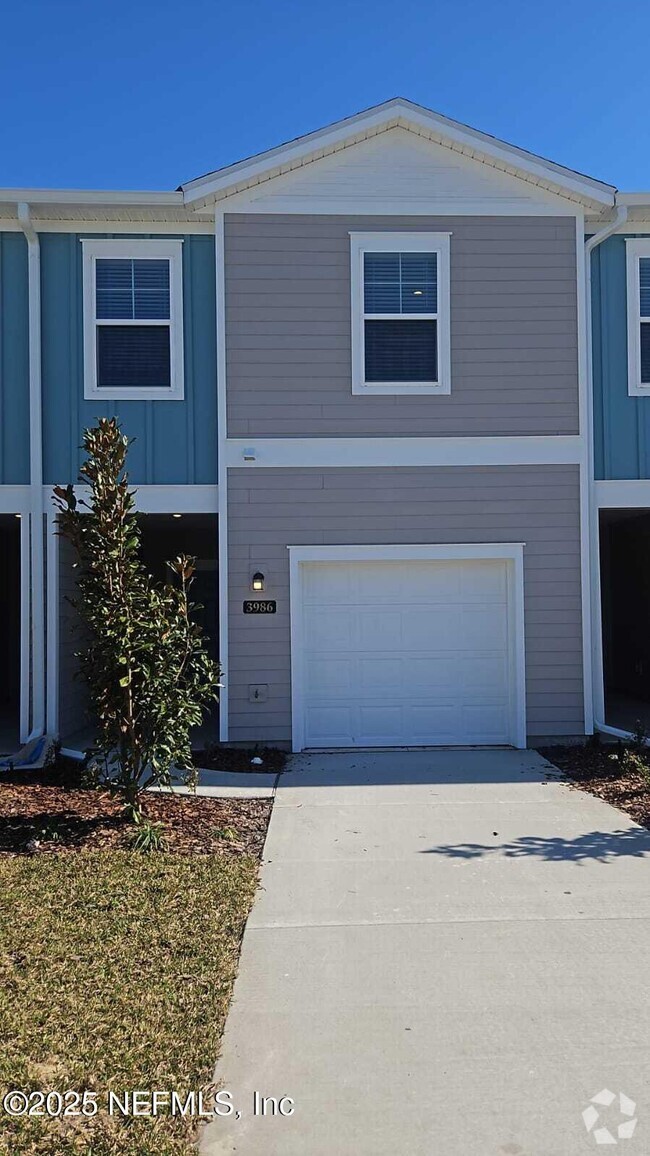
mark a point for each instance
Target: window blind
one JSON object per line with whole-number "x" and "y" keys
{"x": 400, "y": 283}
{"x": 133, "y": 290}
{"x": 644, "y": 308}
{"x": 402, "y": 347}
{"x": 400, "y": 350}
{"x": 133, "y": 355}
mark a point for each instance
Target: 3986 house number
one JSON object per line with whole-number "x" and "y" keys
{"x": 260, "y": 606}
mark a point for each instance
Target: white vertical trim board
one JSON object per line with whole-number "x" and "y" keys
{"x": 510, "y": 552}
{"x": 52, "y": 627}
{"x": 589, "y": 600}
{"x": 222, "y": 464}
{"x": 25, "y": 609}
{"x": 36, "y": 522}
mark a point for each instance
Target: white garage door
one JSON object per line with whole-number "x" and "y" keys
{"x": 407, "y": 653}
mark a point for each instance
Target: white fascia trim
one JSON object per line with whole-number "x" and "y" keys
{"x": 512, "y": 552}
{"x": 171, "y": 250}
{"x": 627, "y": 227}
{"x": 623, "y": 495}
{"x": 256, "y": 453}
{"x": 397, "y": 242}
{"x": 635, "y": 248}
{"x": 633, "y": 199}
{"x": 222, "y": 465}
{"x": 112, "y": 225}
{"x": 90, "y": 197}
{"x": 251, "y": 202}
{"x": 399, "y": 113}
{"x": 163, "y": 499}
{"x": 14, "y": 499}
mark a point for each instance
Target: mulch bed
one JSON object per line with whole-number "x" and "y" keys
{"x": 53, "y": 808}
{"x": 613, "y": 772}
{"x": 238, "y": 759}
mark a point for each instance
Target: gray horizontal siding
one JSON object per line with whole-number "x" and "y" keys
{"x": 270, "y": 509}
{"x": 513, "y": 329}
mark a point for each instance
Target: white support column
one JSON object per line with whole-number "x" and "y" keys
{"x": 24, "y": 625}
{"x": 587, "y": 560}
{"x": 52, "y": 674}
{"x": 36, "y": 526}
{"x": 220, "y": 272}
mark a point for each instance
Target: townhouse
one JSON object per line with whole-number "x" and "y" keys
{"x": 357, "y": 369}
{"x": 620, "y": 344}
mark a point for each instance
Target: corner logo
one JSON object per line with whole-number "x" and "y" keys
{"x": 591, "y": 1117}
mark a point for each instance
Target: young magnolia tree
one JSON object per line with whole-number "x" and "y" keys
{"x": 145, "y": 663}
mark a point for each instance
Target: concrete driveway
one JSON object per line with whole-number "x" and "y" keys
{"x": 449, "y": 956}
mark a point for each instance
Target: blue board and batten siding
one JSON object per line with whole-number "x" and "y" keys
{"x": 14, "y": 361}
{"x": 621, "y": 422}
{"x": 175, "y": 441}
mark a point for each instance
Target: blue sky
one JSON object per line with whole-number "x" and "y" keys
{"x": 143, "y": 94}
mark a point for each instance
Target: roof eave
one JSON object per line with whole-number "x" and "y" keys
{"x": 89, "y": 197}
{"x": 399, "y": 113}
{"x": 633, "y": 199}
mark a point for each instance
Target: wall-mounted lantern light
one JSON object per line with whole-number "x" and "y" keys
{"x": 257, "y": 581}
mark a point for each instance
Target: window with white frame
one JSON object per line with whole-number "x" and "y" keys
{"x": 400, "y": 313}
{"x": 638, "y": 317}
{"x": 133, "y": 319}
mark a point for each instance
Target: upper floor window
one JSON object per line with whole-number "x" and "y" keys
{"x": 638, "y": 317}
{"x": 400, "y": 313}
{"x": 133, "y": 319}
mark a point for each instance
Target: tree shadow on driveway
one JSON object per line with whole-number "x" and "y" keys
{"x": 600, "y": 846}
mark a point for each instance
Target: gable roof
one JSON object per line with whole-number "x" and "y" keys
{"x": 398, "y": 113}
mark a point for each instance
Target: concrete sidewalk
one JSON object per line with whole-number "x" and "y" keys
{"x": 449, "y": 956}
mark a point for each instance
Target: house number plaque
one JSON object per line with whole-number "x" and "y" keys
{"x": 259, "y": 606}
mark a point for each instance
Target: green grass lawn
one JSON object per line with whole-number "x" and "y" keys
{"x": 116, "y": 971}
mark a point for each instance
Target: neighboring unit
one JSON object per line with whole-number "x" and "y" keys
{"x": 621, "y": 380}
{"x": 358, "y": 367}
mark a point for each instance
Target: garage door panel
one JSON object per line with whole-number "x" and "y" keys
{"x": 483, "y": 582}
{"x": 377, "y": 675}
{"x": 431, "y": 627}
{"x": 426, "y": 585}
{"x": 483, "y": 627}
{"x": 378, "y": 725}
{"x": 489, "y": 720}
{"x": 328, "y": 582}
{"x": 428, "y": 677}
{"x": 329, "y": 629}
{"x": 380, "y": 584}
{"x": 400, "y": 653}
{"x": 485, "y": 671}
{"x": 378, "y": 630}
{"x": 330, "y": 677}
{"x": 330, "y": 726}
{"x": 434, "y": 724}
